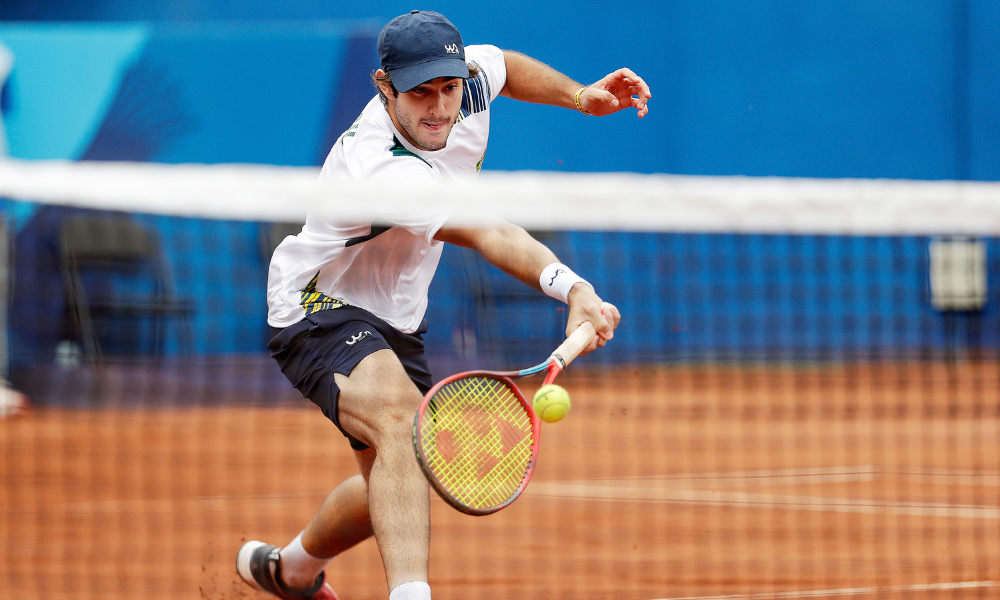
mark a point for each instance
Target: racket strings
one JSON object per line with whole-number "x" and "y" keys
{"x": 496, "y": 469}
{"x": 477, "y": 441}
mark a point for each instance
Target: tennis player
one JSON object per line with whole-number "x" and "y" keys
{"x": 346, "y": 301}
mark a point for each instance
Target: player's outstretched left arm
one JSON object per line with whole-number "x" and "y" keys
{"x": 533, "y": 81}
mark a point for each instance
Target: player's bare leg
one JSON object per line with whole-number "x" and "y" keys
{"x": 340, "y": 523}
{"x": 377, "y": 403}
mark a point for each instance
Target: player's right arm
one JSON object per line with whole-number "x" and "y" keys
{"x": 530, "y": 80}
{"x": 511, "y": 249}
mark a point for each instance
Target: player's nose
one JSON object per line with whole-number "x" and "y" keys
{"x": 437, "y": 105}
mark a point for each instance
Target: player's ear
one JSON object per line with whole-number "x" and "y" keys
{"x": 386, "y": 87}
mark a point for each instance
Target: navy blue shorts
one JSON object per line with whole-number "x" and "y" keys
{"x": 335, "y": 341}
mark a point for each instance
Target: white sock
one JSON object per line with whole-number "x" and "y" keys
{"x": 299, "y": 569}
{"x": 415, "y": 590}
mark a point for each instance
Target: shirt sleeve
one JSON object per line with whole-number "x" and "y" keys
{"x": 492, "y": 65}
{"x": 422, "y": 219}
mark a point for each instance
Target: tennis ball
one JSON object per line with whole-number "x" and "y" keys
{"x": 551, "y": 403}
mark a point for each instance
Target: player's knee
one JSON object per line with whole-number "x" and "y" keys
{"x": 395, "y": 419}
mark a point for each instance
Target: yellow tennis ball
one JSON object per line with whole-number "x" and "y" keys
{"x": 551, "y": 403}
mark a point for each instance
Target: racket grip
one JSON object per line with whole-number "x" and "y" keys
{"x": 574, "y": 344}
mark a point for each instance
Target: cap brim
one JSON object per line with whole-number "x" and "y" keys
{"x": 407, "y": 78}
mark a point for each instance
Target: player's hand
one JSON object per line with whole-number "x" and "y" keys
{"x": 586, "y": 305}
{"x": 617, "y": 91}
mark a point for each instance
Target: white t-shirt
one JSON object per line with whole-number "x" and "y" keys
{"x": 385, "y": 267}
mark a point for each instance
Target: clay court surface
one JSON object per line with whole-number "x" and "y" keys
{"x": 858, "y": 481}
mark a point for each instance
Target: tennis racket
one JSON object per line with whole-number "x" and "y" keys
{"x": 476, "y": 436}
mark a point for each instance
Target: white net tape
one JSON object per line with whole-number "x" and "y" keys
{"x": 535, "y": 200}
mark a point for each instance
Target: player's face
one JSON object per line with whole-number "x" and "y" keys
{"x": 426, "y": 114}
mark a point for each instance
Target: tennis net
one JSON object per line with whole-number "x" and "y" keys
{"x": 802, "y": 400}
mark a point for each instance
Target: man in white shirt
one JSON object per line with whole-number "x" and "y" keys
{"x": 346, "y": 300}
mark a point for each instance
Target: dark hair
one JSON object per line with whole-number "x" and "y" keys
{"x": 386, "y": 78}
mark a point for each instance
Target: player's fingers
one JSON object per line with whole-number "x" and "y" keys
{"x": 590, "y": 314}
{"x": 625, "y": 95}
{"x": 626, "y": 77}
{"x": 607, "y": 311}
{"x": 640, "y": 105}
{"x": 611, "y": 314}
{"x": 602, "y": 325}
{"x": 636, "y": 81}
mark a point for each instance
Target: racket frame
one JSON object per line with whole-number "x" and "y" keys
{"x": 553, "y": 365}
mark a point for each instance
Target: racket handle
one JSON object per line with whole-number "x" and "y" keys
{"x": 574, "y": 345}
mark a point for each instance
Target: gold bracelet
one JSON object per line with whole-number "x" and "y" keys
{"x": 576, "y": 98}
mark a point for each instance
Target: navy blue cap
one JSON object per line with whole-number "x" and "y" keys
{"x": 420, "y": 46}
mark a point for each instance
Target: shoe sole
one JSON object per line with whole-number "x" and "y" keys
{"x": 243, "y": 558}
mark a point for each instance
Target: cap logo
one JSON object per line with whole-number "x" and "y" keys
{"x": 452, "y": 49}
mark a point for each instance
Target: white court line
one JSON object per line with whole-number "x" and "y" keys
{"x": 811, "y": 474}
{"x": 814, "y": 475}
{"x": 789, "y": 480}
{"x": 805, "y": 472}
{"x": 950, "y": 476}
{"x": 955, "y": 472}
{"x": 930, "y": 587}
{"x": 778, "y": 501}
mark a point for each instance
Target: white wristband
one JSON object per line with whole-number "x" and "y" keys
{"x": 557, "y": 280}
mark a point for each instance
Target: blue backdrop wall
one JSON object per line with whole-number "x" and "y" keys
{"x": 898, "y": 88}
